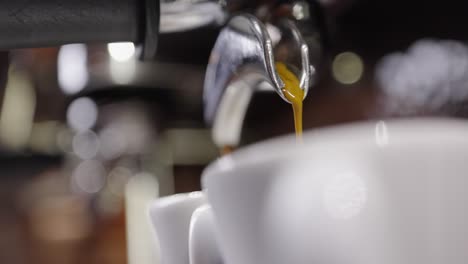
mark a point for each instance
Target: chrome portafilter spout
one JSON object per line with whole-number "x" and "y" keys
{"x": 242, "y": 62}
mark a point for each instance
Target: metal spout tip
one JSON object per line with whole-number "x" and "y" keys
{"x": 242, "y": 60}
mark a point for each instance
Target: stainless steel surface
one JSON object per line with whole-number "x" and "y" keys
{"x": 243, "y": 61}
{"x": 243, "y": 44}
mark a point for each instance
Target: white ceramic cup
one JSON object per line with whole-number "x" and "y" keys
{"x": 203, "y": 244}
{"x": 386, "y": 192}
{"x": 171, "y": 217}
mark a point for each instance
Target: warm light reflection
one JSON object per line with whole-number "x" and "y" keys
{"x": 121, "y": 51}
{"x": 85, "y": 144}
{"x": 72, "y": 68}
{"x": 122, "y": 66}
{"x": 347, "y": 68}
{"x": 123, "y": 72}
{"x": 88, "y": 177}
{"x": 17, "y": 113}
{"x": 82, "y": 114}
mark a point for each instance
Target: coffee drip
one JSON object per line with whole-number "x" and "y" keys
{"x": 295, "y": 95}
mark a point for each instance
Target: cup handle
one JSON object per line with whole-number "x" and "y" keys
{"x": 203, "y": 245}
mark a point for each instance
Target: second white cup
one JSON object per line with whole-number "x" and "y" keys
{"x": 171, "y": 218}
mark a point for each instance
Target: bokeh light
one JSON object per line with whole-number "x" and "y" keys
{"x": 347, "y": 68}
{"x": 72, "y": 68}
{"x": 431, "y": 74}
{"x": 64, "y": 139}
{"x": 89, "y": 177}
{"x": 82, "y": 114}
{"x": 121, "y": 51}
{"x": 300, "y": 10}
{"x": 113, "y": 143}
{"x": 123, "y": 72}
{"x": 85, "y": 144}
{"x": 117, "y": 179}
{"x": 18, "y": 110}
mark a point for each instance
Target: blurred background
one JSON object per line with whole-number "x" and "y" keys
{"x": 89, "y": 133}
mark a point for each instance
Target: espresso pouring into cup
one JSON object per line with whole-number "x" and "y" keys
{"x": 243, "y": 61}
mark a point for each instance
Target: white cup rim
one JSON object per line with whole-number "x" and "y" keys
{"x": 174, "y": 199}
{"x": 401, "y": 130}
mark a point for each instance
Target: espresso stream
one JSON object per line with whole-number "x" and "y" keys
{"x": 295, "y": 95}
